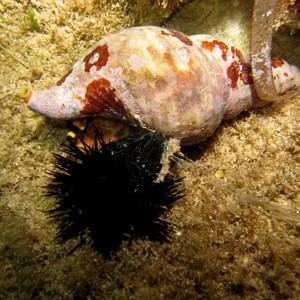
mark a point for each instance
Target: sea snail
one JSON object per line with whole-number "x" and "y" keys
{"x": 161, "y": 80}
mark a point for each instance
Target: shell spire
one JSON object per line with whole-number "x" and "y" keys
{"x": 164, "y": 81}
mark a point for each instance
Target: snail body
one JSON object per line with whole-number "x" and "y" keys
{"x": 161, "y": 80}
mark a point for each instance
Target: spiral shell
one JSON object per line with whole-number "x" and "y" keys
{"x": 161, "y": 80}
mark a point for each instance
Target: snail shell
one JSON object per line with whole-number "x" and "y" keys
{"x": 161, "y": 80}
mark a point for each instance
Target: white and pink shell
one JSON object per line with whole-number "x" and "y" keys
{"x": 161, "y": 80}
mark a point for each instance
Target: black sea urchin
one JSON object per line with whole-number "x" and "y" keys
{"x": 109, "y": 193}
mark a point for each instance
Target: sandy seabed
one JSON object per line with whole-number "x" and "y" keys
{"x": 238, "y": 227}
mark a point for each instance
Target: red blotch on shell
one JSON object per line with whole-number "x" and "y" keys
{"x": 246, "y": 73}
{"x": 99, "y": 97}
{"x": 164, "y": 33}
{"x": 286, "y": 74}
{"x": 62, "y": 80}
{"x": 183, "y": 38}
{"x": 236, "y": 53}
{"x": 233, "y": 73}
{"x": 100, "y": 62}
{"x": 239, "y": 69}
{"x": 223, "y": 47}
{"x": 277, "y": 62}
{"x": 209, "y": 46}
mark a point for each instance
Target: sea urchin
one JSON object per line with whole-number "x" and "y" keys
{"x": 110, "y": 192}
